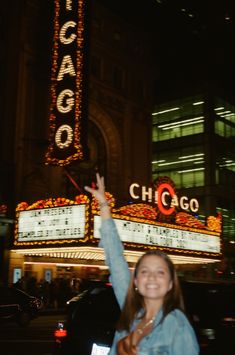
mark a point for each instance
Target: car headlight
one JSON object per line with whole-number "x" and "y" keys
{"x": 36, "y": 303}
{"x": 209, "y": 333}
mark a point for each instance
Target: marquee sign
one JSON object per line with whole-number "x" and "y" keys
{"x": 163, "y": 236}
{"x": 52, "y": 221}
{"x": 141, "y": 227}
{"x": 165, "y": 197}
{"x": 67, "y": 109}
{"x": 56, "y": 223}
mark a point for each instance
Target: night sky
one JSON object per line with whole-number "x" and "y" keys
{"x": 194, "y": 42}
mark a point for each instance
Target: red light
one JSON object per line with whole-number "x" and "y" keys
{"x": 161, "y": 188}
{"x": 60, "y": 333}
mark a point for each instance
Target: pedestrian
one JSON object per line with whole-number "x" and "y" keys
{"x": 152, "y": 319}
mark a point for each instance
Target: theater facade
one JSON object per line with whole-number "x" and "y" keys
{"x": 59, "y": 237}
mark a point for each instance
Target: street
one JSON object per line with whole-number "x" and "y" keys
{"x": 36, "y": 339}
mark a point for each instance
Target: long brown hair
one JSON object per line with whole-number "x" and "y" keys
{"x": 134, "y": 302}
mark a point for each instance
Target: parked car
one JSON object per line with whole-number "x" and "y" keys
{"x": 90, "y": 322}
{"x": 91, "y": 317}
{"x": 211, "y": 309}
{"x": 18, "y": 306}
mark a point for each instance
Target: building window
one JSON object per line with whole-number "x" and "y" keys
{"x": 184, "y": 180}
{"x": 185, "y": 167}
{"x": 220, "y": 128}
{"x": 227, "y": 209}
{"x": 179, "y": 130}
{"x": 178, "y": 119}
{"x": 226, "y": 162}
{"x": 193, "y": 178}
{"x": 225, "y": 119}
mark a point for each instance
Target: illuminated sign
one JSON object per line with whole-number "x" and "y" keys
{"x": 165, "y": 197}
{"x": 163, "y": 236}
{"x": 67, "y": 222}
{"x": 67, "y": 110}
{"x": 61, "y": 221}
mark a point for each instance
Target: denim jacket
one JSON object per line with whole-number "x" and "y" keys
{"x": 174, "y": 335}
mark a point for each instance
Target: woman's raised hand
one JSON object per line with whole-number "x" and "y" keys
{"x": 99, "y": 194}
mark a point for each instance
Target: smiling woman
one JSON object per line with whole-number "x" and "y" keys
{"x": 152, "y": 318}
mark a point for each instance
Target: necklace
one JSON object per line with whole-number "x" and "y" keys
{"x": 141, "y": 329}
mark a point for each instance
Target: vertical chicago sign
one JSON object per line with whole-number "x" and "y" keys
{"x": 68, "y": 104}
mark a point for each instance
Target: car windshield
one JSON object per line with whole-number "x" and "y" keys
{"x": 100, "y": 303}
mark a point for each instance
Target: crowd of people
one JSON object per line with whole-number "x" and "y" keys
{"x": 54, "y": 294}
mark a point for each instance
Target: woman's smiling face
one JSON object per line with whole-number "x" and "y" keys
{"x": 153, "y": 278}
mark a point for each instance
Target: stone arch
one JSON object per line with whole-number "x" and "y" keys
{"x": 113, "y": 144}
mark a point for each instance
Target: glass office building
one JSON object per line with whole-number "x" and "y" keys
{"x": 194, "y": 145}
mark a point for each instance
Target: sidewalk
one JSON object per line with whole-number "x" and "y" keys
{"x": 49, "y": 311}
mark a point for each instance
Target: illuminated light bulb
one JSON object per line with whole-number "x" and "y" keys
{"x": 68, "y": 5}
{"x": 66, "y": 67}
{"x": 58, "y": 136}
{"x": 62, "y": 35}
{"x": 71, "y": 63}
{"x": 69, "y": 101}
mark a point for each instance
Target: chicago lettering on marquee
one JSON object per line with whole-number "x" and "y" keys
{"x": 165, "y": 197}
{"x": 68, "y": 75}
